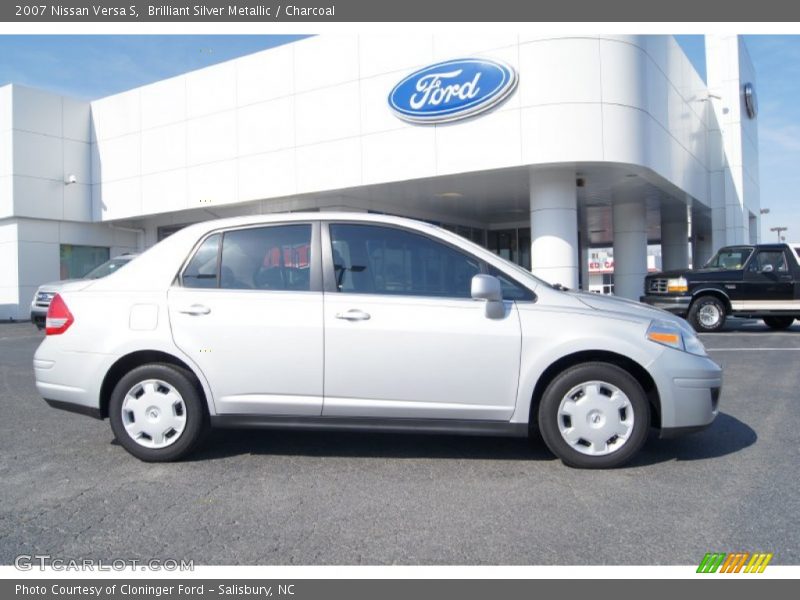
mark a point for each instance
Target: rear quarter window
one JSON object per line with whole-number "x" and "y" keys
{"x": 203, "y": 269}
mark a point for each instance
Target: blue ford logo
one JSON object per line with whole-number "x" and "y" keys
{"x": 452, "y": 90}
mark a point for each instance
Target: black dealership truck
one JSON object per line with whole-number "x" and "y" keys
{"x": 759, "y": 281}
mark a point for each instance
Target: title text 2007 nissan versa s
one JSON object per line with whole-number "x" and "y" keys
{"x": 356, "y": 321}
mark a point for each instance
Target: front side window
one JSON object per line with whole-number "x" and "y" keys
{"x": 267, "y": 258}
{"x": 370, "y": 259}
{"x": 773, "y": 258}
{"x": 731, "y": 259}
{"x": 511, "y": 289}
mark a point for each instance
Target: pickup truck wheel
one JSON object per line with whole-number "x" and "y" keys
{"x": 707, "y": 314}
{"x": 594, "y": 416}
{"x": 779, "y": 323}
{"x": 156, "y": 413}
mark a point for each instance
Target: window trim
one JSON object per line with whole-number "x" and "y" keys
{"x": 315, "y": 277}
{"x": 329, "y": 278}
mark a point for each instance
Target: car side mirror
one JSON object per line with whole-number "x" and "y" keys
{"x": 767, "y": 269}
{"x": 488, "y": 288}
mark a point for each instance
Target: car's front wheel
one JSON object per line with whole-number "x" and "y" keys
{"x": 707, "y": 314}
{"x": 157, "y": 413}
{"x": 779, "y": 323}
{"x": 594, "y": 416}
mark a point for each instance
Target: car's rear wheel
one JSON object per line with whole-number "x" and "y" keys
{"x": 707, "y": 314}
{"x": 594, "y": 416}
{"x": 157, "y": 413}
{"x": 779, "y": 323}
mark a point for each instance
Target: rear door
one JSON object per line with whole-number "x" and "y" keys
{"x": 404, "y": 338}
{"x": 248, "y": 311}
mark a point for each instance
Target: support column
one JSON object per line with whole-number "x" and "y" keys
{"x": 674, "y": 238}
{"x": 583, "y": 239}
{"x": 554, "y": 226}
{"x": 630, "y": 246}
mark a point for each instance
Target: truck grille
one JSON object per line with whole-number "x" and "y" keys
{"x": 44, "y": 298}
{"x": 657, "y": 286}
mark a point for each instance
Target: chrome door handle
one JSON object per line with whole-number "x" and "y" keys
{"x": 353, "y": 315}
{"x": 195, "y": 309}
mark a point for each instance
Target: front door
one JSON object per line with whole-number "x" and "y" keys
{"x": 767, "y": 283}
{"x": 404, "y": 338}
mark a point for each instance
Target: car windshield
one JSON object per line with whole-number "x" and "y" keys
{"x": 526, "y": 275}
{"x": 108, "y": 267}
{"x": 729, "y": 258}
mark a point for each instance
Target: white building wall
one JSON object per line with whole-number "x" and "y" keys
{"x": 6, "y": 153}
{"x": 44, "y": 138}
{"x": 9, "y": 274}
{"x": 734, "y": 183}
{"x": 50, "y": 137}
{"x": 312, "y": 116}
{"x": 30, "y": 255}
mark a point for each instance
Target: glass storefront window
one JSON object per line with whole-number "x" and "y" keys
{"x": 77, "y": 261}
{"x": 512, "y": 244}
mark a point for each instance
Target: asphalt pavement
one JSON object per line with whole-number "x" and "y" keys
{"x": 264, "y": 497}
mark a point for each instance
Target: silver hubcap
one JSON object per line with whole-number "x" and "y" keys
{"x": 595, "y": 418}
{"x": 153, "y": 414}
{"x": 709, "y": 315}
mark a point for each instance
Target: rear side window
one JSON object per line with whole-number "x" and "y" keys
{"x": 267, "y": 258}
{"x": 369, "y": 259}
{"x": 774, "y": 258}
{"x": 202, "y": 271}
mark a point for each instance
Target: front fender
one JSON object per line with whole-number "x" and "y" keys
{"x": 549, "y": 336}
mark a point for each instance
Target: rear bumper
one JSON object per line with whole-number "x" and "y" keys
{"x": 88, "y": 411}
{"x": 70, "y": 380}
{"x": 678, "y": 305}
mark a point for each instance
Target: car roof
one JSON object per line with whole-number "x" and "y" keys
{"x": 305, "y": 217}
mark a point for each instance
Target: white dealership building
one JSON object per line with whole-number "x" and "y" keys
{"x": 599, "y": 141}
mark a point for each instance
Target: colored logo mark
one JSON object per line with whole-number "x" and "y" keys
{"x": 738, "y": 562}
{"x": 452, "y": 90}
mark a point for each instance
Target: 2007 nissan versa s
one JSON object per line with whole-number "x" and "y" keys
{"x": 355, "y": 321}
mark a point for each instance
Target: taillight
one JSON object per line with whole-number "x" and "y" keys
{"x": 58, "y": 317}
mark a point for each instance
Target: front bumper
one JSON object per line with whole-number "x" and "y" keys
{"x": 690, "y": 388}
{"x": 678, "y": 305}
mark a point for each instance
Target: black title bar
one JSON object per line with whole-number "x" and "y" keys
{"x": 309, "y": 11}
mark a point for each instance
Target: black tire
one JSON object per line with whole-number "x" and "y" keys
{"x": 702, "y": 308}
{"x": 548, "y": 416}
{"x": 779, "y": 323}
{"x": 196, "y": 416}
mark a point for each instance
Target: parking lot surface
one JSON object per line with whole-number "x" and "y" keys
{"x": 265, "y": 497}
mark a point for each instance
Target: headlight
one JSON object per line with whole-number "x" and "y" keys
{"x": 677, "y": 284}
{"x": 675, "y": 336}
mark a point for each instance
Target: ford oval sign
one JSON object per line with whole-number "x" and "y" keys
{"x": 452, "y": 90}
